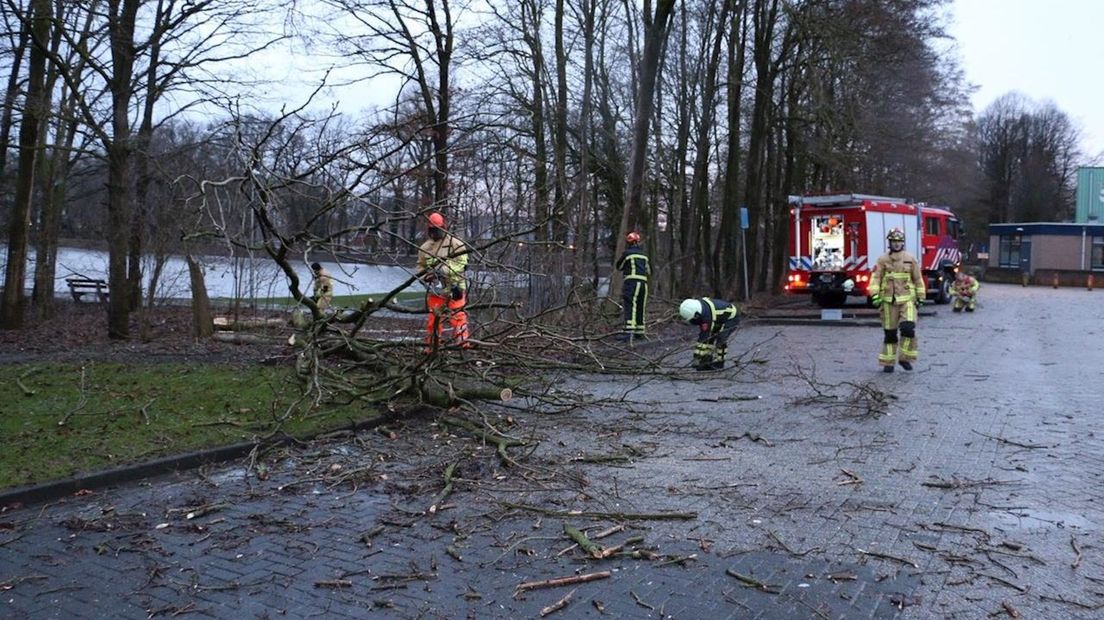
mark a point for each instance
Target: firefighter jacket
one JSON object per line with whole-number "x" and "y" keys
{"x": 966, "y": 286}
{"x": 323, "y": 289}
{"x": 634, "y": 264}
{"x": 447, "y": 258}
{"x": 716, "y": 315}
{"x": 897, "y": 279}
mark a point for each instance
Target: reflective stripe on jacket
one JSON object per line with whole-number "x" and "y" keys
{"x": 634, "y": 264}
{"x": 897, "y": 278}
{"x": 715, "y": 314}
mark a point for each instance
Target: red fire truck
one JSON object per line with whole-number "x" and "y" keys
{"x": 836, "y": 239}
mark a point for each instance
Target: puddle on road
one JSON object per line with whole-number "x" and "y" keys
{"x": 236, "y": 474}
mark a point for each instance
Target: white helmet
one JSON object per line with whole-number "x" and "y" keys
{"x": 689, "y": 308}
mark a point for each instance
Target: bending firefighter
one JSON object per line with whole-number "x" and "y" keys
{"x": 442, "y": 260}
{"x": 716, "y": 319}
{"x": 897, "y": 287}
{"x": 965, "y": 292}
{"x": 634, "y": 292}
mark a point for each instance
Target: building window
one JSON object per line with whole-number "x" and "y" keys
{"x": 1097, "y": 260}
{"x": 1010, "y": 251}
{"x": 931, "y": 226}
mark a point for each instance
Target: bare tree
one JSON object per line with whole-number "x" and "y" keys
{"x": 1028, "y": 154}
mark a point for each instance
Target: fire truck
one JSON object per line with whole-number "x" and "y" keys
{"x": 835, "y": 241}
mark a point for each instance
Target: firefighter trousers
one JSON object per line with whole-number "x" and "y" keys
{"x": 634, "y": 300}
{"x": 899, "y": 317}
{"x": 969, "y": 302}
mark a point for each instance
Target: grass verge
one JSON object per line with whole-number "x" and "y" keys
{"x": 116, "y": 414}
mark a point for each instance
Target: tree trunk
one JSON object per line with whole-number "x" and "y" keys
{"x": 587, "y": 115}
{"x": 699, "y": 194}
{"x": 559, "y": 134}
{"x": 531, "y": 32}
{"x": 764, "y": 16}
{"x": 682, "y": 276}
{"x": 203, "y": 324}
{"x": 121, "y": 30}
{"x": 729, "y": 246}
{"x": 655, "y": 37}
{"x": 52, "y": 170}
{"x": 11, "y": 305}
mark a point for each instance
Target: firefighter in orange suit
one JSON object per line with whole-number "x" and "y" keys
{"x": 965, "y": 292}
{"x": 897, "y": 287}
{"x": 442, "y": 260}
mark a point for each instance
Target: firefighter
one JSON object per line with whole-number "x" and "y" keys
{"x": 897, "y": 287}
{"x": 634, "y": 292}
{"x": 965, "y": 292}
{"x": 323, "y": 287}
{"x": 442, "y": 260}
{"x": 716, "y": 319}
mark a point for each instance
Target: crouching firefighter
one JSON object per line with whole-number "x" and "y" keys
{"x": 442, "y": 260}
{"x": 897, "y": 288}
{"x": 716, "y": 320}
{"x": 965, "y": 292}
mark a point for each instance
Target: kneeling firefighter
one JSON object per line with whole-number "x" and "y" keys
{"x": 965, "y": 292}
{"x": 716, "y": 320}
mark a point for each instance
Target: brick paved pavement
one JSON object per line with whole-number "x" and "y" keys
{"x": 977, "y": 494}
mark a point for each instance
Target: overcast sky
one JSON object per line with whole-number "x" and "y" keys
{"x": 1045, "y": 49}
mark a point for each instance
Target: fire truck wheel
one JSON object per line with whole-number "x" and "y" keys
{"x": 944, "y": 295}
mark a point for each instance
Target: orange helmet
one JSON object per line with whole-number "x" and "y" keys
{"x": 633, "y": 237}
{"x": 436, "y": 220}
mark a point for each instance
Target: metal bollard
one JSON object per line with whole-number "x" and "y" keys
{"x": 1055, "y": 280}
{"x": 1089, "y": 282}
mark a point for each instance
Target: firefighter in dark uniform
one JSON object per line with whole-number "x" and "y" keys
{"x": 716, "y": 319}
{"x": 897, "y": 288}
{"x": 635, "y": 267}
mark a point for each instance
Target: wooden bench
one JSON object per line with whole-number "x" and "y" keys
{"x": 79, "y": 287}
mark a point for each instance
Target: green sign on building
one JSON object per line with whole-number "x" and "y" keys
{"x": 1090, "y": 195}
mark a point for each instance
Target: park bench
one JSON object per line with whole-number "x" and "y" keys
{"x": 79, "y": 287}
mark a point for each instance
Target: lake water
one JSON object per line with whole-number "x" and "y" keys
{"x": 225, "y": 276}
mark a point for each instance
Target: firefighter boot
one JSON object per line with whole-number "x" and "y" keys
{"x": 887, "y": 368}
{"x": 904, "y": 364}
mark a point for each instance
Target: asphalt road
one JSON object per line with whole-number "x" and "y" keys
{"x": 803, "y": 484}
